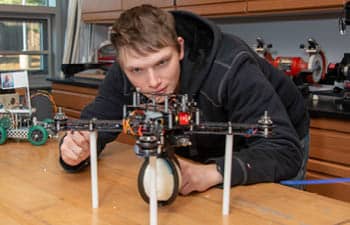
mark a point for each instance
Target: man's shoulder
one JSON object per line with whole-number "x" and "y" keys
{"x": 230, "y": 48}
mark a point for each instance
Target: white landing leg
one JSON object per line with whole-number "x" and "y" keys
{"x": 153, "y": 202}
{"x": 227, "y": 174}
{"x": 93, "y": 168}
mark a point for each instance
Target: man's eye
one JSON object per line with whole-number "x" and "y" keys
{"x": 136, "y": 70}
{"x": 163, "y": 62}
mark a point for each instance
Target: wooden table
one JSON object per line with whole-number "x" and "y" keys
{"x": 34, "y": 190}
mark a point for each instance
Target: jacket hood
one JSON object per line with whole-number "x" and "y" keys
{"x": 202, "y": 38}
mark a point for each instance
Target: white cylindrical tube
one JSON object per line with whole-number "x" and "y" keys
{"x": 197, "y": 117}
{"x": 227, "y": 174}
{"x": 134, "y": 99}
{"x": 124, "y": 111}
{"x": 170, "y": 120}
{"x": 153, "y": 190}
{"x": 166, "y": 104}
{"x": 93, "y": 168}
{"x": 183, "y": 103}
{"x": 138, "y": 100}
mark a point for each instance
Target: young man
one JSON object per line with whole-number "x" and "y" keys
{"x": 178, "y": 52}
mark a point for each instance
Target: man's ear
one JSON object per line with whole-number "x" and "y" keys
{"x": 181, "y": 42}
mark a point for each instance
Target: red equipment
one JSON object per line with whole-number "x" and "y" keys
{"x": 263, "y": 50}
{"x": 292, "y": 66}
{"x": 106, "y": 54}
{"x": 313, "y": 70}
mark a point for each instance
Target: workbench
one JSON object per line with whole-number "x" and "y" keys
{"x": 34, "y": 189}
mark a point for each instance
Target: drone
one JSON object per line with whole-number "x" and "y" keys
{"x": 159, "y": 128}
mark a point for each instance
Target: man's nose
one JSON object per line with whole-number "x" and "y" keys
{"x": 153, "y": 79}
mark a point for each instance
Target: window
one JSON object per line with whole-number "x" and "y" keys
{"x": 28, "y": 46}
{"x": 26, "y": 39}
{"x": 49, "y": 3}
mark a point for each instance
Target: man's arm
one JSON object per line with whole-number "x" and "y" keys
{"x": 247, "y": 94}
{"x": 272, "y": 159}
{"x": 108, "y": 106}
{"x": 198, "y": 177}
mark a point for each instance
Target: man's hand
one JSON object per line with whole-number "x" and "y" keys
{"x": 75, "y": 147}
{"x": 198, "y": 177}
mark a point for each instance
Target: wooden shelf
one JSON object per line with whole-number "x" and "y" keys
{"x": 106, "y": 11}
{"x": 329, "y": 156}
{"x": 340, "y": 191}
{"x": 213, "y": 8}
{"x": 286, "y": 5}
{"x": 71, "y": 98}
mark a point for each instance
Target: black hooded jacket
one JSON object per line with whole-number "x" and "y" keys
{"x": 230, "y": 82}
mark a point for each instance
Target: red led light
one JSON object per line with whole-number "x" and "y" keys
{"x": 184, "y": 118}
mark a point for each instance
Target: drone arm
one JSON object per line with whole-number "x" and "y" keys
{"x": 109, "y": 102}
{"x": 100, "y": 127}
{"x": 94, "y": 126}
{"x": 108, "y": 109}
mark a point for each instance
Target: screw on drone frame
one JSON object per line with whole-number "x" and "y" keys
{"x": 136, "y": 97}
{"x": 265, "y": 124}
{"x": 60, "y": 119}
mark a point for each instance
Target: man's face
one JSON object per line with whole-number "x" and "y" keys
{"x": 157, "y": 72}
